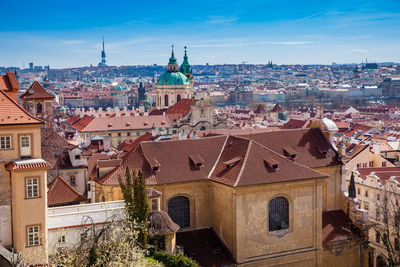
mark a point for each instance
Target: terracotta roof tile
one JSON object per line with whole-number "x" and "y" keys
{"x": 12, "y": 113}
{"x": 183, "y": 107}
{"x": 36, "y": 91}
{"x": 60, "y": 193}
{"x": 23, "y": 164}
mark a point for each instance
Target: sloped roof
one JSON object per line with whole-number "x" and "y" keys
{"x": 182, "y": 107}
{"x": 383, "y": 173}
{"x": 337, "y": 226}
{"x": 295, "y": 124}
{"x": 60, "y": 193}
{"x": 260, "y": 110}
{"x": 53, "y": 145}
{"x": 253, "y": 165}
{"x": 11, "y": 113}
{"x": 100, "y": 124}
{"x": 205, "y": 247}
{"x": 160, "y": 223}
{"x": 308, "y": 144}
{"x": 277, "y": 108}
{"x": 130, "y": 144}
{"x": 36, "y": 91}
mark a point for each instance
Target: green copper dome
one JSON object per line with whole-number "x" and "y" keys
{"x": 173, "y": 78}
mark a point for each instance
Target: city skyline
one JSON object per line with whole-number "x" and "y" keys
{"x": 255, "y": 32}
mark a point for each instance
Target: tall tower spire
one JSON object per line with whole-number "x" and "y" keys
{"x": 103, "y": 56}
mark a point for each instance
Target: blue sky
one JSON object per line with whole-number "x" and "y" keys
{"x": 68, "y": 33}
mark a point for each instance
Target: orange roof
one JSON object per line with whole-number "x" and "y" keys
{"x": 23, "y": 164}
{"x": 60, "y": 193}
{"x": 182, "y": 107}
{"x": 9, "y": 83}
{"x": 12, "y": 113}
{"x": 36, "y": 91}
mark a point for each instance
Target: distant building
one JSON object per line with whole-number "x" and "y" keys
{"x": 174, "y": 85}
{"x": 102, "y": 63}
{"x": 391, "y": 86}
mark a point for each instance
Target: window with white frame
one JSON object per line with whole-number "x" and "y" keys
{"x": 32, "y": 187}
{"x": 33, "y": 235}
{"x": 5, "y": 142}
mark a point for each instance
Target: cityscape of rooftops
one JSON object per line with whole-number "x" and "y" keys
{"x": 200, "y": 133}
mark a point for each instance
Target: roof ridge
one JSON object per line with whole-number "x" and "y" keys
{"x": 244, "y": 163}
{"x": 21, "y": 108}
{"x": 219, "y": 156}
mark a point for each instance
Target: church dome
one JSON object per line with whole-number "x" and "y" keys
{"x": 173, "y": 78}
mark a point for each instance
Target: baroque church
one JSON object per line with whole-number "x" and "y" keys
{"x": 175, "y": 84}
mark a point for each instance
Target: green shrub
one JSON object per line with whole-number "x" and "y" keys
{"x": 169, "y": 260}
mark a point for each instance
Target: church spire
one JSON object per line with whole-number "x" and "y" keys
{"x": 352, "y": 187}
{"x": 172, "y": 64}
{"x": 185, "y": 67}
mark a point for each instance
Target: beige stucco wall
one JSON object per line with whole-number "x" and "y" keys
{"x": 29, "y": 212}
{"x": 254, "y": 241}
{"x": 332, "y": 189}
{"x": 14, "y": 131}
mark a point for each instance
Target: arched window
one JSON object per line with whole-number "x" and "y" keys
{"x": 278, "y": 211}
{"x": 39, "y": 108}
{"x": 179, "y": 211}
{"x": 166, "y": 100}
{"x": 178, "y": 98}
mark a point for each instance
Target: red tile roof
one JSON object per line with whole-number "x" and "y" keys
{"x": 130, "y": 144}
{"x": 11, "y": 113}
{"x": 308, "y": 144}
{"x": 295, "y": 124}
{"x": 277, "y": 108}
{"x": 9, "y": 84}
{"x": 60, "y": 193}
{"x": 337, "y": 226}
{"x": 27, "y": 164}
{"x": 183, "y": 107}
{"x": 383, "y": 173}
{"x": 205, "y": 247}
{"x": 36, "y": 91}
{"x": 93, "y": 124}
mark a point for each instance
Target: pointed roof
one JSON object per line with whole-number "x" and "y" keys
{"x": 12, "y": 113}
{"x": 185, "y": 67}
{"x": 260, "y": 110}
{"x": 352, "y": 187}
{"x": 277, "y": 108}
{"x": 36, "y": 91}
{"x": 60, "y": 193}
{"x": 172, "y": 59}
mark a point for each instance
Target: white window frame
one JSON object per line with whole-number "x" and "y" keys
{"x": 33, "y": 236}
{"x": 31, "y": 185}
{"x": 61, "y": 239}
{"x": 4, "y": 143}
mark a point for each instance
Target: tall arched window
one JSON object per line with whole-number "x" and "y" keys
{"x": 179, "y": 211}
{"x": 166, "y": 100}
{"x": 278, "y": 214}
{"x": 39, "y": 108}
{"x": 178, "y": 98}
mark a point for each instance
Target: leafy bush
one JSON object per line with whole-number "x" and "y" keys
{"x": 169, "y": 260}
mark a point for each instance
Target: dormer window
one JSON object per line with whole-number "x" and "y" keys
{"x": 155, "y": 168}
{"x": 290, "y": 152}
{"x": 271, "y": 164}
{"x": 324, "y": 152}
{"x": 232, "y": 162}
{"x": 197, "y": 161}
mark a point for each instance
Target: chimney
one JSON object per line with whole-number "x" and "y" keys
{"x": 376, "y": 148}
{"x": 342, "y": 150}
{"x": 117, "y": 113}
{"x": 107, "y": 142}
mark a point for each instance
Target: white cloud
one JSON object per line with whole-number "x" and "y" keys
{"x": 221, "y": 19}
{"x": 73, "y": 42}
{"x": 359, "y": 51}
